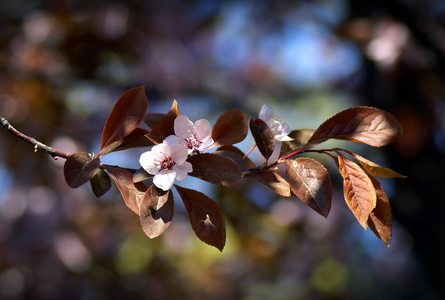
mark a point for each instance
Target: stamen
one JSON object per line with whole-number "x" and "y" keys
{"x": 168, "y": 163}
{"x": 193, "y": 143}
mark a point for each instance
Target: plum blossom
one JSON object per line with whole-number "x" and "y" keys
{"x": 279, "y": 128}
{"x": 196, "y": 137}
{"x": 167, "y": 162}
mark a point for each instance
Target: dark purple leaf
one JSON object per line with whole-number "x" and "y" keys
{"x": 362, "y": 124}
{"x": 125, "y": 116}
{"x": 131, "y": 192}
{"x": 230, "y": 128}
{"x": 264, "y": 137}
{"x": 272, "y": 180}
{"x": 310, "y": 181}
{"x": 80, "y": 168}
{"x": 100, "y": 183}
{"x": 156, "y": 211}
{"x": 205, "y": 217}
{"x": 215, "y": 169}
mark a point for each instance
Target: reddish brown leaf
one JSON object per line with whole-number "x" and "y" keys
{"x": 174, "y": 110}
{"x": 162, "y": 129}
{"x": 358, "y": 189}
{"x": 205, "y": 217}
{"x": 230, "y": 128}
{"x": 300, "y": 137}
{"x": 310, "y": 181}
{"x": 125, "y": 116}
{"x": 100, "y": 183}
{"x": 141, "y": 175}
{"x": 80, "y": 168}
{"x": 380, "y": 218}
{"x": 236, "y": 155}
{"x": 362, "y": 124}
{"x": 215, "y": 169}
{"x": 152, "y": 118}
{"x": 131, "y": 192}
{"x": 136, "y": 139}
{"x": 264, "y": 137}
{"x": 375, "y": 169}
{"x": 156, "y": 211}
{"x": 271, "y": 180}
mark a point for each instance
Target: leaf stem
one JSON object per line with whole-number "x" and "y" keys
{"x": 299, "y": 151}
{"x": 250, "y": 151}
{"x": 30, "y": 140}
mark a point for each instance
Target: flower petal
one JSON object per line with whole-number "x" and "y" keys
{"x": 182, "y": 170}
{"x": 276, "y": 153}
{"x": 283, "y": 138}
{"x": 160, "y": 151}
{"x": 179, "y": 153}
{"x": 286, "y": 128}
{"x": 165, "y": 179}
{"x": 148, "y": 161}
{"x": 206, "y": 144}
{"x": 171, "y": 140}
{"x": 266, "y": 113}
{"x": 203, "y": 129}
{"x": 184, "y": 128}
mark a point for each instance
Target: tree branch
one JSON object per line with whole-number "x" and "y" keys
{"x": 37, "y": 145}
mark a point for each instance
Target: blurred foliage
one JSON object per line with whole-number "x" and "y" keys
{"x": 65, "y": 63}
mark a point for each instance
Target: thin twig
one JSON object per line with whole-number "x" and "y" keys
{"x": 297, "y": 152}
{"x": 248, "y": 152}
{"x": 37, "y": 145}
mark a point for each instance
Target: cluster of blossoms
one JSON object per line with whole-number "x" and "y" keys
{"x": 181, "y": 148}
{"x": 168, "y": 161}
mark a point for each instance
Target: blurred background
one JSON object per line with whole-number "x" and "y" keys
{"x": 63, "y": 65}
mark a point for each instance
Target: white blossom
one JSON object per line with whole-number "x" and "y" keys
{"x": 167, "y": 162}
{"x": 195, "y": 136}
{"x": 279, "y": 128}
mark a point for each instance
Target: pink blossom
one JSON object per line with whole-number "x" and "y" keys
{"x": 195, "y": 136}
{"x": 167, "y": 162}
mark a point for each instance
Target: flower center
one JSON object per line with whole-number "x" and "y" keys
{"x": 167, "y": 163}
{"x": 192, "y": 142}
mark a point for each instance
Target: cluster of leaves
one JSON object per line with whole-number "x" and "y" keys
{"x": 303, "y": 177}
